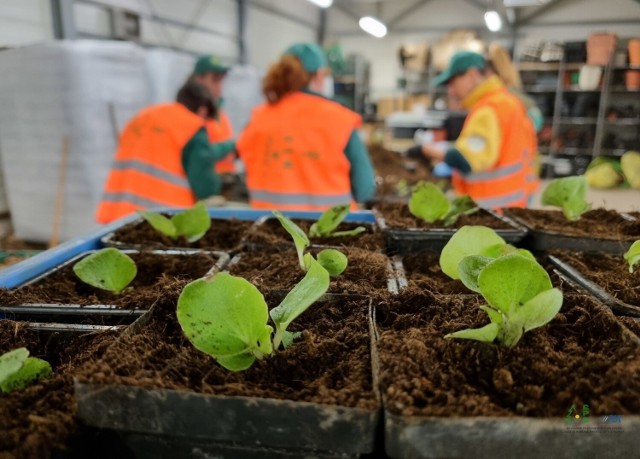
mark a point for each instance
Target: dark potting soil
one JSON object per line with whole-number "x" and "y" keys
{"x": 224, "y": 235}
{"x": 271, "y": 233}
{"x": 155, "y": 272}
{"x": 329, "y": 364}
{"x": 391, "y": 168}
{"x": 397, "y": 216}
{"x": 582, "y": 356}
{"x": 632, "y": 323}
{"x": 422, "y": 270}
{"x": 609, "y": 272}
{"x": 597, "y": 223}
{"x": 280, "y": 270}
{"x": 39, "y": 419}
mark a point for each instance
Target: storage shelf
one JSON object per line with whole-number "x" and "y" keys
{"x": 578, "y": 120}
{"x": 623, "y": 122}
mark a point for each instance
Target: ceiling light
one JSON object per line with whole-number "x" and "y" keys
{"x": 493, "y": 21}
{"x": 322, "y": 3}
{"x": 373, "y": 26}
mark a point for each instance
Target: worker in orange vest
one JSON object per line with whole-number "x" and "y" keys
{"x": 301, "y": 150}
{"x": 210, "y": 72}
{"x": 164, "y": 157}
{"x": 492, "y": 156}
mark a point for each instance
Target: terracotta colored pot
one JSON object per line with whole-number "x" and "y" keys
{"x": 634, "y": 52}
{"x": 632, "y": 80}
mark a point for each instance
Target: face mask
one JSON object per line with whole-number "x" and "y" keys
{"x": 327, "y": 89}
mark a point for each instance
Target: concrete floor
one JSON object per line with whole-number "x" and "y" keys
{"x": 620, "y": 200}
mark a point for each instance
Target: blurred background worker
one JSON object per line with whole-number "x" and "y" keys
{"x": 210, "y": 73}
{"x": 165, "y": 158}
{"x": 492, "y": 157}
{"x": 301, "y": 150}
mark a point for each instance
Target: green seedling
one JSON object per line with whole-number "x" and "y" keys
{"x": 519, "y": 294}
{"x": 193, "y": 223}
{"x": 569, "y": 194}
{"x": 330, "y": 220}
{"x": 474, "y": 240}
{"x": 332, "y": 260}
{"x": 18, "y": 370}
{"x": 300, "y": 239}
{"x": 429, "y": 203}
{"x": 226, "y": 317}
{"x": 107, "y": 269}
{"x": 633, "y": 255}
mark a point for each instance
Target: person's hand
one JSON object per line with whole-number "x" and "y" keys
{"x": 414, "y": 152}
{"x": 433, "y": 152}
{"x": 214, "y": 201}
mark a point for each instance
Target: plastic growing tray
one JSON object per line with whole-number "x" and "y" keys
{"x": 617, "y": 306}
{"x": 541, "y": 241}
{"x": 401, "y": 241}
{"x": 226, "y": 426}
{"x": 100, "y": 314}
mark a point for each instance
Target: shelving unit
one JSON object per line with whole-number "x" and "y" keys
{"x": 592, "y": 133}
{"x": 352, "y": 88}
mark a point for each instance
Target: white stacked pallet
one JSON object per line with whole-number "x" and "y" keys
{"x": 84, "y": 91}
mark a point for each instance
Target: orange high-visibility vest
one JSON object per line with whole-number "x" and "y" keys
{"x": 220, "y": 130}
{"x": 511, "y": 181}
{"x": 293, "y": 153}
{"x": 147, "y": 171}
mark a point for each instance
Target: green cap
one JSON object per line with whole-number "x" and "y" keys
{"x": 460, "y": 62}
{"x": 311, "y": 55}
{"x": 209, "y": 63}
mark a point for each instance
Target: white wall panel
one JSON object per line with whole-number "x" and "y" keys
{"x": 23, "y": 22}
{"x": 92, "y": 19}
{"x": 268, "y": 35}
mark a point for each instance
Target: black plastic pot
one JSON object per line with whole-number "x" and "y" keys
{"x": 542, "y": 241}
{"x": 483, "y": 437}
{"x": 253, "y": 243}
{"x": 98, "y": 314}
{"x": 111, "y": 240}
{"x": 617, "y": 306}
{"x": 407, "y": 240}
{"x": 171, "y": 423}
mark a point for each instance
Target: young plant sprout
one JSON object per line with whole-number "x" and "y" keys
{"x": 568, "y": 193}
{"x": 474, "y": 240}
{"x": 107, "y": 269}
{"x": 329, "y": 221}
{"x": 633, "y": 255}
{"x": 334, "y": 261}
{"x": 18, "y": 370}
{"x": 519, "y": 293}
{"x": 226, "y": 317}
{"x": 429, "y": 203}
{"x": 300, "y": 239}
{"x": 193, "y": 223}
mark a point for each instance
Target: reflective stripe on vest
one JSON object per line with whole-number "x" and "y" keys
{"x": 136, "y": 200}
{"x": 508, "y": 200}
{"x": 493, "y": 174}
{"x": 300, "y": 198}
{"x": 149, "y": 169}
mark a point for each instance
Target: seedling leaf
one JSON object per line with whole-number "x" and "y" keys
{"x": 470, "y": 268}
{"x": 160, "y": 223}
{"x": 569, "y": 194}
{"x": 288, "y": 338}
{"x": 314, "y": 284}
{"x": 107, "y": 269}
{"x": 633, "y": 255}
{"x": 226, "y": 317}
{"x": 329, "y": 221}
{"x": 486, "y": 334}
{"x": 193, "y": 223}
{"x": 468, "y": 240}
{"x": 428, "y": 202}
{"x": 18, "y": 370}
{"x": 300, "y": 239}
{"x": 334, "y": 261}
{"x": 512, "y": 280}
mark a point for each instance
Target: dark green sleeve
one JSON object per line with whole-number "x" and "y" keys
{"x": 363, "y": 181}
{"x": 454, "y": 159}
{"x": 198, "y": 159}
